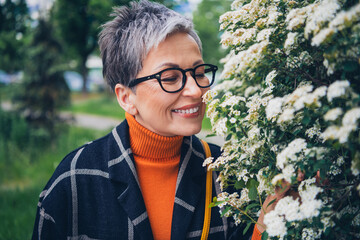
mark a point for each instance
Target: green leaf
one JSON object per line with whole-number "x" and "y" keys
{"x": 271, "y": 202}
{"x": 264, "y": 235}
{"x": 239, "y": 184}
{"x": 350, "y": 66}
{"x": 252, "y": 193}
{"x": 211, "y": 135}
{"x": 225, "y": 211}
{"x": 228, "y": 137}
{"x": 247, "y": 228}
{"x": 252, "y": 183}
{"x": 214, "y": 204}
{"x": 250, "y": 206}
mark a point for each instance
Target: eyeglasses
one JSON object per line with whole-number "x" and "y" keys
{"x": 173, "y": 80}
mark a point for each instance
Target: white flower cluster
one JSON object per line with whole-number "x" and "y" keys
{"x": 278, "y": 112}
{"x": 283, "y": 109}
{"x": 234, "y": 200}
{"x": 337, "y": 89}
{"x": 242, "y": 61}
{"x": 289, "y": 209}
{"x": 287, "y": 157}
{"x": 314, "y": 131}
{"x": 349, "y": 124}
{"x": 264, "y": 185}
{"x": 322, "y": 21}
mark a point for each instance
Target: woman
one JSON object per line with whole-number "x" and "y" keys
{"x": 144, "y": 180}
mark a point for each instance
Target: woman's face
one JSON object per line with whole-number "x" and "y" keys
{"x": 168, "y": 114}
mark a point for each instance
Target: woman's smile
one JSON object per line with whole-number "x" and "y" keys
{"x": 188, "y": 111}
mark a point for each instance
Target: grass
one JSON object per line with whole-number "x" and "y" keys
{"x": 104, "y": 105}
{"x": 24, "y": 175}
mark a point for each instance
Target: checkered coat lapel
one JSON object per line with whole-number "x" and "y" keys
{"x": 122, "y": 170}
{"x": 190, "y": 187}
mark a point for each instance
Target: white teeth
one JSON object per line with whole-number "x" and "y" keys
{"x": 187, "y": 111}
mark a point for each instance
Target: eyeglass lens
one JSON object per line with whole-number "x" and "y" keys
{"x": 172, "y": 79}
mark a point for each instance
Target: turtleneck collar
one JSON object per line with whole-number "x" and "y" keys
{"x": 150, "y": 145}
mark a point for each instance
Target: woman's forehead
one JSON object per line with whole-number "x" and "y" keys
{"x": 177, "y": 50}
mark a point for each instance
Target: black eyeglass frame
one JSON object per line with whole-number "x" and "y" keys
{"x": 157, "y": 76}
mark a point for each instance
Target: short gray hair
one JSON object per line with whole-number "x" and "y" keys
{"x": 126, "y": 40}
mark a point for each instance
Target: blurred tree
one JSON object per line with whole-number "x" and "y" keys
{"x": 13, "y": 28}
{"x": 78, "y": 24}
{"x": 206, "y": 21}
{"x": 43, "y": 89}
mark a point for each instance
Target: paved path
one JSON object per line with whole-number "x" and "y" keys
{"x": 106, "y": 123}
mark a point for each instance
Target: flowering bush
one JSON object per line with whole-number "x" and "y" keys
{"x": 288, "y": 106}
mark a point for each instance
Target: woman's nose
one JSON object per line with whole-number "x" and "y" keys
{"x": 191, "y": 88}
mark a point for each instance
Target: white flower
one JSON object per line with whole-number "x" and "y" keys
{"x": 333, "y": 114}
{"x": 351, "y": 117}
{"x": 264, "y": 185}
{"x": 296, "y": 17}
{"x": 289, "y": 207}
{"x": 300, "y": 91}
{"x": 322, "y": 36}
{"x": 232, "y": 100}
{"x": 309, "y": 234}
{"x": 330, "y": 67}
{"x": 354, "y": 170}
{"x": 237, "y": 4}
{"x": 332, "y": 132}
{"x": 323, "y": 12}
{"x": 340, "y": 161}
{"x": 273, "y": 108}
{"x": 250, "y": 90}
{"x": 273, "y": 15}
{"x": 310, "y": 206}
{"x": 337, "y": 89}
{"x": 275, "y": 224}
{"x": 220, "y": 127}
{"x": 290, "y": 40}
{"x": 345, "y": 131}
{"x": 345, "y": 18}
{"x": 209, "y": 96}
{"x": 207, "y": 161}
{"x": 277, "y": 179}
{"x": 264, "y": 34}
{"x": 269, "y": 79}
{"x": 288, "y": 172}
{"x": 314, "y": 131}
{"x": 320, "y": 91}
{"x": 253, "y": 132}
{"x": 290, "y": 152}
{"x": 356, "y": 220}
{"x": 287, "y": 115}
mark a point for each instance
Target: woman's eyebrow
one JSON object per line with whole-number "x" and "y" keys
{"x": 173, "y": 65}
{"x": 167, "y": 64}
{"x": 200, "y": 61}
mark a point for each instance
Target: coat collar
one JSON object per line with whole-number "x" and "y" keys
{"x": 190, "y": 182}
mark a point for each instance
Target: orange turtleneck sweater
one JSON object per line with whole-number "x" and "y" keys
{"x": 157, "y": 162}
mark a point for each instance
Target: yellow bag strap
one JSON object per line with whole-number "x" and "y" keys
{"x": 207, "y": 217}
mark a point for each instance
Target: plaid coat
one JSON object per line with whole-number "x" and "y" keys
{"x": 94, "y": 194}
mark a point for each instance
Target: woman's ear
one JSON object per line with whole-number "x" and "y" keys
{"x": 125, "y": 98}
